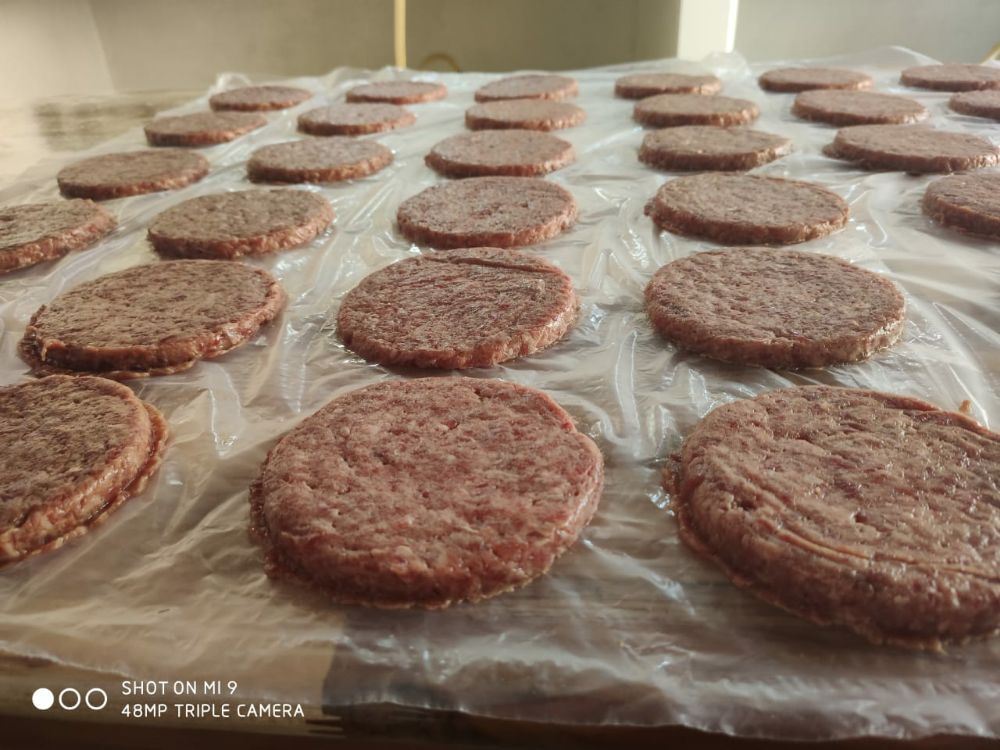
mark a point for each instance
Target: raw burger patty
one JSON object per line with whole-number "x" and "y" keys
{"x": 151, "y": 320}
{"x": 707, "y": 147}
{"x": 426, "y": 492}
{"x": 327, "y": 160}
{"x": 877, "y": 512}
{"x": 737, "y": 209}
{"x": 37, "y": 232}
{"x": 641, "y": 85}
{"x": 202, "y": 128}
{"x": 131, "y": 173}
{"x": 528, "y": 87}
{"x": 72, "y": 449}
{"x": 524, "y": 114}
{"x": 856, "y": 107}
{"x": 500, "y": 152}
{"x": 259, "y": 98}
{"x": 977, "y": 103}
{"x": 464, "y": 308}
{"x": 803, "y": 79}
{"x": 912, "y": 148}
{"x": 397, "y": 92}
{"x": 667, "y": 110}
{"x": 354, "y": 119}
{"x": 248, "y": 222}
{"x": 783, "y": 309}
{"x": 487, "y": 212}
{"x": 952, "y": 77}
{"x": 966, "y": 202}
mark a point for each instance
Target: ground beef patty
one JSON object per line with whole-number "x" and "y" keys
{"x": 966, "y": 202}
{"x": 791, "y": 80}
{"x": 38, "y": 232}
{"x": 500, "y": 152}
{"x": 912, "y": 148}
{"x": 464, "y": 308}
{"x": 327, "y": 160}
{"x": 641, "y": 85}
{"x": 737, "y": 209}
{"x": 487, "y": 212}
{"x": 398, "y": 92}
{"x": 668, "y": 110}
{"x": 151, "y": 320}
{"x": 246, "y": 222}
{"x": 72, "y": 449}
{"x": 426, "y": 492}
{"x": 259, "y": 98}
{"x": 952, "y": 77}
{"x": 202, "y": 128}
{"x": 977, "y": 103}
{"x": 783, "y": 309}
{"x": 131, "y": 173}
{"x": 355, "y": 119}
{"x": 877, "y": 512}
{"x": 856, "y": 107}
{"x": 707, "y": 147}
{"x": 524, "y": 114}
{"x": 533, "y": 86}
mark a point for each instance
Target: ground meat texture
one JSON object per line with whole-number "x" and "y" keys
{"x": 525, "y": 114}
{"x": 327, "y": 160}
{"x": 259, "y": 98}
{"x": 783, "y": 309}
{"x": 868, "y": 510}
{"x": 912, "y": 148}
{"x": 803, "y": 79}
{"x": 355, "y": 119}
{"x": 72, "y": 449}
{"x": 707, "y": 147}
{"x": 668, "y": 110}
{"x": 977, "y": 103}
{"x": 131, "y": 173}
{"x": 151, "y": 320}
{"x": 966, "y": 202}
{"x": 532, "y": 86}
{"x": 37, "y": 232}
{"x": 642, "y": 85}
{"x": 487, "y": 212}
{"x": 857, "y": 108}
{"x": 952, "y": 77}
{"x": 202, "y": 128}
{"x": 426, "y": 492}
{"x": 463, "y": 308}
{"x": 500, "y": 152}
{"x": 398, "y": 92}
{"x": 737, "y": 209}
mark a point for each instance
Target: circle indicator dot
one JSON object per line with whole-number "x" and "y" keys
{"x": 42, "y": 699}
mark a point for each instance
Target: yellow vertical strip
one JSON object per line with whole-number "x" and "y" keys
{"x": 399, "y": 32}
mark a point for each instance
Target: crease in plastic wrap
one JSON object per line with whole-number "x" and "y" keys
{"x": 628, "y": 627}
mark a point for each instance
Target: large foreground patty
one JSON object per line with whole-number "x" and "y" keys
{"x": 966, "y": 202}
{"x": 426, "y": 492}
{"x": 36, "y": 232}
{"x": 71, "y": 451}
{"x": 912, "y": 148}
{"x": 850, "y": 507}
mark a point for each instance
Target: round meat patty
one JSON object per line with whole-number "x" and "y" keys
{"x": 72, "y": 449}
{"x": 522, "y": 153}
{"x": 977, "y": 103}
{"x": 737, "y": 209}
{"x": 857, "y": 107}
{"x": 532, "y": 86}
{"x": 259, "y": 98}
{"x": 247, "y": 222}
{"x": 322, "y": 160}
{"x": 912, "y": 148}
{"x": 487, "y": 212}
{"x": 426, "y": 492}
{"x": 642, "y": 85}
{"x": 464, "y": 308}
{"x": 793, "y": 80}
{"x": 151, "y": 320}
{"x": 38, "y": 232}
{"x": 707, "y": 147}
{"x": 398, "y": 92}
{"x": 846, "y": 507}
{"x": 355, "y": 119}
{"x": 131, "y": 173}
{"x": 967, "y": 202}
{"x": 783, "y": 309}
{"x": 952, "y": 77}
{"x": 524, "y": 114}
{"x": 202, "y": 128}
{"x": 668, "y": 110}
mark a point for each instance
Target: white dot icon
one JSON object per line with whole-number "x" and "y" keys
{"x": 42, "y": 699}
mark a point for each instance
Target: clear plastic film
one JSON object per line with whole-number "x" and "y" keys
{"x": 628, "y": 627}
